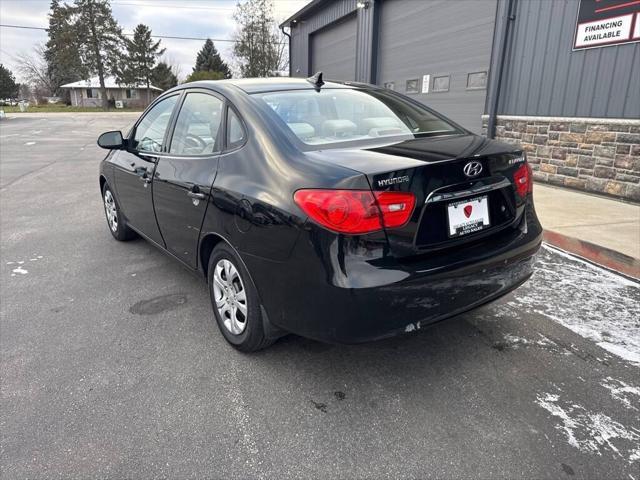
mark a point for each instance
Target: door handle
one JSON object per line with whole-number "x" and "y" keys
{"x": 197, "y": 195}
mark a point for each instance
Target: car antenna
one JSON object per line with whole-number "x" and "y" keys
{"x": 316, "y": 80}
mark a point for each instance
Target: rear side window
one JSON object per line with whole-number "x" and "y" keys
{"x": 235, "y": 130}
{"x": 198, "y": 125}
{"x": 151, "y": 129}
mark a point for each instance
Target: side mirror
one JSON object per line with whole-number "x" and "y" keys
{"x": 111, "y": 140}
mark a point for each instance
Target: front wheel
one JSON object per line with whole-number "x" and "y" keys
{"x": 235, "y": 302}
{"x": 116, "y": 222}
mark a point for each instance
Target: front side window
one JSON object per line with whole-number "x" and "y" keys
{"x": 150, "y": 131}
{"x": 197, "y": 127}
{"x": 347, "y": 115}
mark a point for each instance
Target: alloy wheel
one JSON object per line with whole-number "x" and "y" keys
{"x": 230, "y": 296}
{"x": 111, "y": 210}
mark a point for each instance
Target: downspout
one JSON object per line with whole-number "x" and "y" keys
{"x": 289, "y": 50}
{"x": 493, "y": 107}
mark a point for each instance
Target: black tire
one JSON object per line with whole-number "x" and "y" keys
{"x": 252, "y": 337}
{"x": 120, "y": 230}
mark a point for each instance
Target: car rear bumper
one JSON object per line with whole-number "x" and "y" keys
{"x": 341, "y": 291}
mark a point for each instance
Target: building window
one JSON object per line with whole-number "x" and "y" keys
{"x": 127, "y": 93}
{"x": 441, "y": 84}
{"x": 477, "y": 80}
{"x": 413, "y": 86}
{"x": 89, "y": 93}
{"x": 390, "y": 85}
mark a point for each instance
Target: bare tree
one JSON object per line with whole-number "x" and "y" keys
{"x": 33, "y": 68}
{"x": 260, "y": 47}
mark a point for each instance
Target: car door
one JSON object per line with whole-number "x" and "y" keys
{"x": 135, "y": 166}
{"x": 184, "y": 175}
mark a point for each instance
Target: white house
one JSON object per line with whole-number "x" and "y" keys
{"x": 86, "y": 93}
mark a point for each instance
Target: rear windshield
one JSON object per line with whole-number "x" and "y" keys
{"x": 346, "y": 115}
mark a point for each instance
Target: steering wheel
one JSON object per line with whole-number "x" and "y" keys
{"x": 193, "y": 141}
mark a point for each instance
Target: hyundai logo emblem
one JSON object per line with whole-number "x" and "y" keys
{"x": 472, "y": 169}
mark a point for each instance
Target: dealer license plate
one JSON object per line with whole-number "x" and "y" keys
{"x": 468, "y": 216}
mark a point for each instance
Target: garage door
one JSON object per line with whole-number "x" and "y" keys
{"x": 448, "y": 40}
{"x": 333, "y": 50}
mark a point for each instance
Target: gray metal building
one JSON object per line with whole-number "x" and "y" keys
{"x": 530, "y": 72}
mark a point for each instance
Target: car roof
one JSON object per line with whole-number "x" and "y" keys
{"x": 257, "y": 85}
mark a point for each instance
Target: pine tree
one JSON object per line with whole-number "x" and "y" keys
{"x": 140, "y": 59}
{"x": 209, "y": 60}
{"x": 100, "y": 40}
{"x": 8, "y": 85}
{"x": 62, "y": 51}
{"x": 163, "y": 77}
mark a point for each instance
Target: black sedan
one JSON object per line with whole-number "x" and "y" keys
{"x": 341, "y": 212}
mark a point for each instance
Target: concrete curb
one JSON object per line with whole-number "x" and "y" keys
{"x": 603, "y": 256}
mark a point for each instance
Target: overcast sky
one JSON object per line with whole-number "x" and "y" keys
{"x": 190, "y": 18}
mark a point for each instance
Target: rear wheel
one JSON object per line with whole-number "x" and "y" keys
{"x": 116, "y": 222}
{"x": 235, "y": 301}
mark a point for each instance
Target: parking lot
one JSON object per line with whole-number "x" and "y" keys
{"x": 112, "y": 365}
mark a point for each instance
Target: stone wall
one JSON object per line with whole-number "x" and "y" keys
{"x": 596, "y": 155}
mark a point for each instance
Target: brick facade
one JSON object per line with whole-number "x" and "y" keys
{"x": 597, "y": 155}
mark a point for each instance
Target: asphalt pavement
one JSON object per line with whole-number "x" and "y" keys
{"x": 112, "y": 365}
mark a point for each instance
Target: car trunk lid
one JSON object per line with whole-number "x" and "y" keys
{"x": 452, "y": 207}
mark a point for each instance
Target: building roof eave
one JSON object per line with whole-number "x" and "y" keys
{"x": 308, "y": 8}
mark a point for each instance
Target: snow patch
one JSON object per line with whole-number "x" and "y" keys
{"x": 412, "y": 327}
{"x": 591, "y": 301}
{"x": 622, "y": 392}
{"x": 514, "y": 341}
{"x": 592, "y": 432}
{"x": 20, "y": 270}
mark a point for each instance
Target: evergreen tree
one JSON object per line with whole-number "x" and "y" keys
{"x": 205, "y": 75}
{"x": 100, "y": 40}
{"x": 8, "y": 85}
{"x": 259, "y": 48}
{"x": 163, "y": 77}
{"x": 209, "y": 60}
{"x": 62, "y": 51}
{"x": 140, "y": 59}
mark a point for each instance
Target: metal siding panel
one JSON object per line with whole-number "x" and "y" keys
{"x": 538, "y": 64}
{"x": 545, "y": 77}
{"x": 513, "y": 72}
{"x": 527, "y": 72}
{"x": 551, "y": 66}
{"x": 414, "y": 42}
{"x": 632, "y": 98}
{"x": 631, "y": 103}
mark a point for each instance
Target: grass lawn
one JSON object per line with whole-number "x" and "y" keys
{"x": 64, "y": 108}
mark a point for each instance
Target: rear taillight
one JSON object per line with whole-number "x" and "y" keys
{"x": 523, "y": 178}
{"x": 396, "y": 207}
{"x": 356, "y": 211}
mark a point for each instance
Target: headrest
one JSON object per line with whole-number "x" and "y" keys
{"x": 338, "y": 128}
